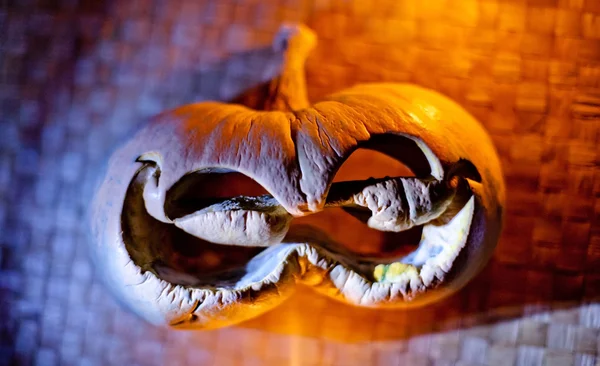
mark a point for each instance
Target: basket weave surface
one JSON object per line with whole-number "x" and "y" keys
{"x": 76, "y": 75}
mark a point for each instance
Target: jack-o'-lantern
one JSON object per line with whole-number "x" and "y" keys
{"x": 213, "y": 212}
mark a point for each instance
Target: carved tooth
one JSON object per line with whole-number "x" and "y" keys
{"x": 416, "y": 274}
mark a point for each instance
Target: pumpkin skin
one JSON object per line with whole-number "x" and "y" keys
{"x": 294, "y": 155}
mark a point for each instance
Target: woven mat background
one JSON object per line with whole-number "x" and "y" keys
{"x": 76, "y": 74}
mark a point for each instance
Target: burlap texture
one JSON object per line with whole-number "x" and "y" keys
{"x": 76, "y": 75}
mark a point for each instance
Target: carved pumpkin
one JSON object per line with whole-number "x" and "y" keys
{"x": 192, "y": 219}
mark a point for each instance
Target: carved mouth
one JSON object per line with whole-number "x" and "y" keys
{"x": 381, "y": 230}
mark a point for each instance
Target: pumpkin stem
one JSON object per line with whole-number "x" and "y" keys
{"x": 287, "y": 92}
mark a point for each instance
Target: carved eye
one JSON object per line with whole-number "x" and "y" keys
{"x": 201, "y": 189}
{"x": 374, "y": 160}
{"x": 381, "y": 199}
